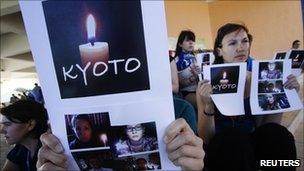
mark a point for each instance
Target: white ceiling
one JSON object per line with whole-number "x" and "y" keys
{"x": 16, "y": 58}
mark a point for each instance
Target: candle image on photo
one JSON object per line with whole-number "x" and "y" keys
{"x": 224, "y": 79}
{"x": 104, "y": 139}
{"x": 93, "y": 51}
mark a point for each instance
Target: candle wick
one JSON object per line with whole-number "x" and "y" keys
{"x": 92, "y": 40}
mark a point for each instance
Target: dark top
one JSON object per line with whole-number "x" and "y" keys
{"x": 21, "y": 156}
{"x": 76, "y": 144}
{"x": 245, "y": 123}
{"x": 184, "y": 109}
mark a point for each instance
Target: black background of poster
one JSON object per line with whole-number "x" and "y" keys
{"x": 232, "y": 75}
{"x": 293, "y": 55}
{"x": 119, "y": 23}
{"x": 280, "y": 55}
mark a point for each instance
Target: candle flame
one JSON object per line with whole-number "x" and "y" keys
{"x": 91, "y": 26}
{"x": 104, "y": 138}
{"x": 224, "y": 75}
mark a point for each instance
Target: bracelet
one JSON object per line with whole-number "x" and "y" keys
{"x": 208, "y": 114}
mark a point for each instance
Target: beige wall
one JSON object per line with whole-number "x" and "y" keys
{"x": 193, "y": 15}
{"x": 273, "y": 24}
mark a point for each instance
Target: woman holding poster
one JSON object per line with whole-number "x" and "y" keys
{"x": 232, "y": 45}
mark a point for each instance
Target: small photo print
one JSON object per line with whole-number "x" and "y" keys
{"x": 271, "y": 101}
{"x": 134, "y": 139}
{"x": 88, "y": 130}
{"x": 225, "y": 79}
{"x": 94, "y": 160}
{"x": 147, "y": 161}
{"x": 205, "y": 61}
{"x": 271, "y": 70}
{"x": 297, "y": 57}
{"x": 271, "y": 86}
{"x": 280, "y": 55}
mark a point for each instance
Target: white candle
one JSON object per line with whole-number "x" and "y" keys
{"x": 93, "y": 51}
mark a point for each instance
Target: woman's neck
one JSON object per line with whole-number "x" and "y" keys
{"x": 31, "y": 144}
{"x": 184, "y": 51}
{"x": 135, "y": 143}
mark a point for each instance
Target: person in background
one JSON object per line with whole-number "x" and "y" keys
{"x": 36, "y": 94}
{"x": 13, "y": 98}
{"x": 22, "y": 123}
{"x": 296, "y": 44}
{"x": 187, "y": 67}
{"x": 229, "y": 139}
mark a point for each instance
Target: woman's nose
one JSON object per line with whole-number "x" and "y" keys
{"x": 2, "y": 131}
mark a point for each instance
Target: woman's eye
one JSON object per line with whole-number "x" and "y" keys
{"x": 232, "y": 43}
{"x": 7, "y": 124}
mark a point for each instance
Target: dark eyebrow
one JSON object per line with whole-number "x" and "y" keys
{"x": 5, "y": 122}
{"x": 231, "y": 40}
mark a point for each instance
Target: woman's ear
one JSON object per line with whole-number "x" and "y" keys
{"x": 31, "y": 124}
{"x": 219, "y": 51}
{"x": 180, "y": 45}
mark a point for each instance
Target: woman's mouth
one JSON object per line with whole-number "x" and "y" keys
{"x": 241, "y": 57}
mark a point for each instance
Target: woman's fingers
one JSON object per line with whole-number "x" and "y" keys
{"x": 51, "y": 142}
{"x": 292, "y": 82}
{"x": 175, "y": 128}
{"x": 46, "y": 155}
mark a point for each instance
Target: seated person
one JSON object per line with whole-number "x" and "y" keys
{"x": 136, "y": 141}
{"x": 187, "y": 66}
{"x": 22, "y": 123}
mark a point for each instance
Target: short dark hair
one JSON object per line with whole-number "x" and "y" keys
{"x": 184, "y": 35}
{"x": 83, "y": 117}
{"x": 221, "y": 33}
{"x": 23, "y": 111}
{"x": 294, "y": 42}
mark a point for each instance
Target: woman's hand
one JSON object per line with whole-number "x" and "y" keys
{"x": 195, "y": 70}
{"x": 50, "y": 155}
{"x": 292, "y": 83}
{"x": 184, "y": 148}
{"x": 204, "y": 91}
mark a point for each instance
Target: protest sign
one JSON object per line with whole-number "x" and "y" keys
{"x": 104, "y": 78}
